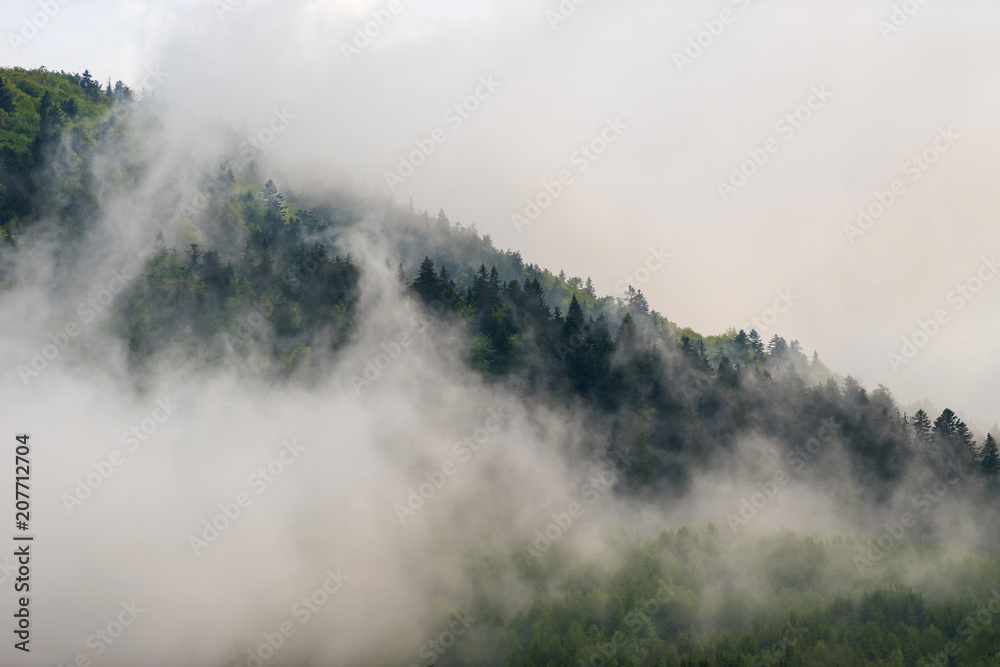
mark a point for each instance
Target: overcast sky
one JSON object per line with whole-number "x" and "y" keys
{"x": 882, "y": 89}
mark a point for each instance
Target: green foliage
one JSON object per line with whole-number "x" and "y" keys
{"x": 686, "y": 598}
{"x": 258, "y": 279}
{"x": 37, "y": 109}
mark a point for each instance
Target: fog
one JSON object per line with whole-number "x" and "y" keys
{"x": 356, "y": 114}
{"x": 228, "y": 74}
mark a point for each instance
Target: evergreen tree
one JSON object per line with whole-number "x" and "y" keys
{"x": 777, "y": 346}
{"x": 574, "y": 316}
{"x": 426, "y": 284}
{"x": 945, "y": 425}
{"x": 442, "y": 220}
{"x": 756, "y": 344}
{"x": 493, "y": 288}
{"x": 989, "y": 461}
{"x": 627, "y": 338}
{"x": 922, "y": 427}
{"x": 636, "y": 302}
{"x": 702, "y": 357}
{"x": 122, "y": 92}
{"x": 193, "y": 254}
{"x": 965, "y": 442}
{"x": 855, "y": 391}
{"x": 272, "y": 198}
{"x": 448, "y": 290}
{"x": 727, "y": 375}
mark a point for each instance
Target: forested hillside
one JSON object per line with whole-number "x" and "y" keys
{"x": 260, "y": 279}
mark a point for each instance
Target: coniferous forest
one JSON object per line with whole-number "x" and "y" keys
{"x": 246, "y": 275}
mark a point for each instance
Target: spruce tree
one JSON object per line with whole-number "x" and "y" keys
{"x": 628, "y": 336}
{"x": 426, "y": 283}
{"x": 922, "y": 427}
{"x": 574, "y": 316}
{"x": 756, "y": 344}
{"x": 945, "y": 425}
{"x": 989, "y": 461}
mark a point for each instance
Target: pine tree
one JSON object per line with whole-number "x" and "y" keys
{"x": 636, "y": 302}
{"x": 756, "y": 344}
{"x": 194, "y": 254}
{"x": 628, "y": 336}
{"x": 426, "y": 283}
{"x": 965, "y": 443}
{"x": 777, "y": 346}
{"x": 922, "y": 427}
{"x": 727, "y": 375}
{"x": 854, "y": 390}
{"x": 493, "y": 288}
{"x": 272, "y": 198}
{"x": 122, "y": 92}
{"x": 574, "y": 316}
{"x": 702, "y": 358}
{"x": 945, "y": 431}
{"x": 449, "y": 291}
{"x": 989, "y": 461}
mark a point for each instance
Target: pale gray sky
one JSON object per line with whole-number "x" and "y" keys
{"x": 892, "y": 93}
